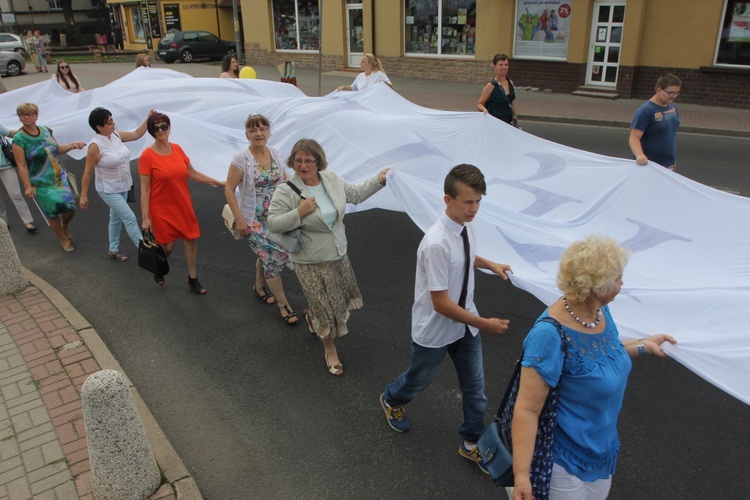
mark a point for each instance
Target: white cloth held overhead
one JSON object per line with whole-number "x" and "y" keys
{"x": 689, "y": 275}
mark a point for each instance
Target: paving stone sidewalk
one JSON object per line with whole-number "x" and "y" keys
{"x": 47, "y": 350}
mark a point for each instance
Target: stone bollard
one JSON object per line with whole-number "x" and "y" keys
{"x": 97, "y": 55}
{"x": 122, "y": 461}
{"x": 12, "y": 279}
{"x": 3, "y": 88}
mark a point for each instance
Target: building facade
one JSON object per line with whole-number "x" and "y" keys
{"x": 610, "y": 46}
{"x": 89, "y": 17}
{"x": 144, "y": 23}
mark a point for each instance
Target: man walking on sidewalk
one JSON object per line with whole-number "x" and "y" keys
{"x": 444, "y": 317}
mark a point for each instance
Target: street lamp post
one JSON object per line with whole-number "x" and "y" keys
{"x": 236, "y": 22}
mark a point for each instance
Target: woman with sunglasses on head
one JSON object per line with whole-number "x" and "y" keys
{"x": 165, "y": 197}
{"x": 109, "y": 159}
{"x": 67, "y": 79}
{"x": 254, "y": 173}
{"x": 321, "y": 264}
{"x": 229, "y": 67}
{"x": 36, "y": 151}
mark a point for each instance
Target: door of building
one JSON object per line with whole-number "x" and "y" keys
{"x": 355, "y": 37}
{"x": 606, "y": 41}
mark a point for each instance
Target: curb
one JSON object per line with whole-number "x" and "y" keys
{"x": 170, "y": 464}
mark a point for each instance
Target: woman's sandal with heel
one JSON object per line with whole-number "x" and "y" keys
{"x": 266, "y": 297}
{"x": 290, "y": 318}
{"x": 335, "y": 370}
{"x": 195, "y": 286}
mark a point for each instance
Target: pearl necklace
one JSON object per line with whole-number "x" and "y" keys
{"x": 575, "y": 316}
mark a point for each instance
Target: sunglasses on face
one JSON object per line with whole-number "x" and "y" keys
{"x": 163, "y": 127}
{"x": 109, "y": 121}
{"x": 64, "y": 67}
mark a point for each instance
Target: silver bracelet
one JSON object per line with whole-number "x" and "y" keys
{"x": 642, "y": 350}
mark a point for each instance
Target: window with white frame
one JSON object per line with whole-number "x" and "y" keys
{"x": 734, "y": 40}
{"x": 443, "y": 27}
{"x": 296, "y": 24}
{"x": 54, "y": 4}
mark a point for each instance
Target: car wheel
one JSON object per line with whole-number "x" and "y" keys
{"x": 186, "y": 56}
{"x": 13, "y": 68}
{"x": 232, "y": 51}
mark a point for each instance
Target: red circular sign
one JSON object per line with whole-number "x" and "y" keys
{"x": 564, "y": 10}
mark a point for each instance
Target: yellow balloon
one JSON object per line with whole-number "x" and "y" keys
{"x": 247, "y": 72}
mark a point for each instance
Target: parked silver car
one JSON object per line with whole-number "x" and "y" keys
{"x": 10, "y": 41}
{"x": 11, "y": 63}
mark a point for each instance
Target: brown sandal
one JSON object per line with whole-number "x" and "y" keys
{"x": 267, "y": 296}
{"x": 291, "y": 315}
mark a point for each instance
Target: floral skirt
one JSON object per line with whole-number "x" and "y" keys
{"x": 331, "y": 290}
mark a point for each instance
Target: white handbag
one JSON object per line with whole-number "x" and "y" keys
{"x": 228, "y": 217}
{"x": 227, "y": 214}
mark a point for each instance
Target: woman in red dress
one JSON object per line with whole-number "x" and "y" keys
{"x": 165, "y": 198}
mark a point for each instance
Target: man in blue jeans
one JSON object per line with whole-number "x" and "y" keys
{"x": 444, "y": 317}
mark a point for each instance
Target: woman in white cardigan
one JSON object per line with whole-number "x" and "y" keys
{"x": 322, "y": 265}
{"x": 254, "y": 173}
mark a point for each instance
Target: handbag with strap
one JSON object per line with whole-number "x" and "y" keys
{"x": 7, "y": 146}
{"x": 131, "y": 194}
{"x": 496, "y": 444}
{"x": 151, "y": 255}
{"x": 289, "y": 240}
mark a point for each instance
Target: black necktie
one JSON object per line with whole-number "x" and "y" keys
{"x": 462, "y": 298}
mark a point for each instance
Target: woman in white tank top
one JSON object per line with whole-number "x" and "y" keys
{"x": 109, "y": 158}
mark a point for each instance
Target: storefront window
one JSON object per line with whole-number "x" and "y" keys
{"x": 135, "y": 14}
{"x": 445, "y": 27}
{"x": 296, "y": 24}
{"x": 734, "y": 40}
{"x": 542, "y": 28}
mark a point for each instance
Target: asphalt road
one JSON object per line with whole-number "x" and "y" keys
{"x": 248, "y": 405}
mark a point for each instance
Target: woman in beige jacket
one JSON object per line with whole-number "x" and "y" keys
{"x": 322, "y": 265}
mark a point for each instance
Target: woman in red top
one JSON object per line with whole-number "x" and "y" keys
{"x": 165, "y": 198}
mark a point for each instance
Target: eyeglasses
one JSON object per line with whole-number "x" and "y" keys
{"x": 64, "y": 67}
{"x": 299, "y": 161}
{"x": 163, "y": 127}
{"x": 671, "y": 93}
{"x": 109, "y": 121}
{"x": 26, "y": 115}
{"x": 256, "y": 130}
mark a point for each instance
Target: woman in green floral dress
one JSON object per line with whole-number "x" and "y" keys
{"x": 40, "y": 172}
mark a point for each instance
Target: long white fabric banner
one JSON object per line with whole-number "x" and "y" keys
{"x": 689, "y": 274}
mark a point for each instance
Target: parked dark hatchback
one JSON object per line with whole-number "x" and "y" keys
{"x": 190, "y": 45}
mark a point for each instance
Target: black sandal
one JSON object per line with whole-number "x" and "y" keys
{"x": 195, "y": 286}
{"x": 291, "y": 315}
{"x": 267, "y": 295}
